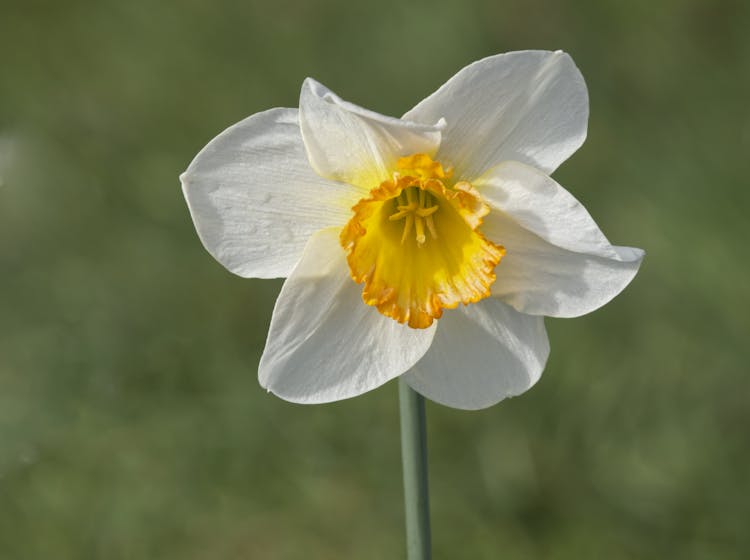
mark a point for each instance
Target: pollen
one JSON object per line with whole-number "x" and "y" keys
{"x": 415, "y": 243}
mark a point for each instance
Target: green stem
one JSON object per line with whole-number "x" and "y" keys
{"x": 414, "y": 457}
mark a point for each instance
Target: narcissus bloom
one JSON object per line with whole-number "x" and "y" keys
{"x": 430, "y": 246}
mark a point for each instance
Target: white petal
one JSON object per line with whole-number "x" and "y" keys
{"x": 558, "y": 262}
{"x": 528, "y": 106}
{"x": 254, "y": 198}
{"x": 324, "y": 343}
{"x": 482, "y": 353}
{"x": 539, "y": 204}
{"x": 347, "y": 143}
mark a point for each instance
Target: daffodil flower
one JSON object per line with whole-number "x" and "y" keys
{"x": 429, "y": 247}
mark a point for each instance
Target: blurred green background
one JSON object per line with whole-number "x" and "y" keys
{"x": 131, "y": 422}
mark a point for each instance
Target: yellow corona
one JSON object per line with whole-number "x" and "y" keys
{"x": 415, "y": 243}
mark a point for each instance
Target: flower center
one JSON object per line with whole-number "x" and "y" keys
{"x": 415, "y": 244}
{"x": 415, "y": 207}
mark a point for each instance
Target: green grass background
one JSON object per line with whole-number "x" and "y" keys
{"x": 131, "y": 422}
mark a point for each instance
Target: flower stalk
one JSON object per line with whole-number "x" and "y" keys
{"x": 414, "y": 458}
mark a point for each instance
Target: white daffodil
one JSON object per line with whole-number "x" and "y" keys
{"x": 429, "y": 246}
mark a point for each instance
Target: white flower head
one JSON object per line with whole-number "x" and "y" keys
{"x": 430, "y": 246}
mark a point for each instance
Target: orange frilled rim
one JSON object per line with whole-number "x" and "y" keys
{"x": 415, "y": 244}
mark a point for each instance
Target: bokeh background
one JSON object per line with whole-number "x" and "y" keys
{"x": 131, "y": 422}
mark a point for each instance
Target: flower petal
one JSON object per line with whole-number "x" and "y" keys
{"x": 254, "y": 198}
{"x": 324, "y": 343}
{"x": 350, "y": 144}
{"x": 557, "y": 262}
{"x": 528, "y": 106}
{"x": 482, "y": 354}
{"x": 539, "y": 204}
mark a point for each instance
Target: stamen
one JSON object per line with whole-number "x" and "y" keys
{"x": 410, "y": 195}
{"x": 424, "y": 212}
{"x": 431, "y": 226}
{"x": 416, "y": 206}
{"x": 407, "y": 227}
{"x": 404, "y": 211}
